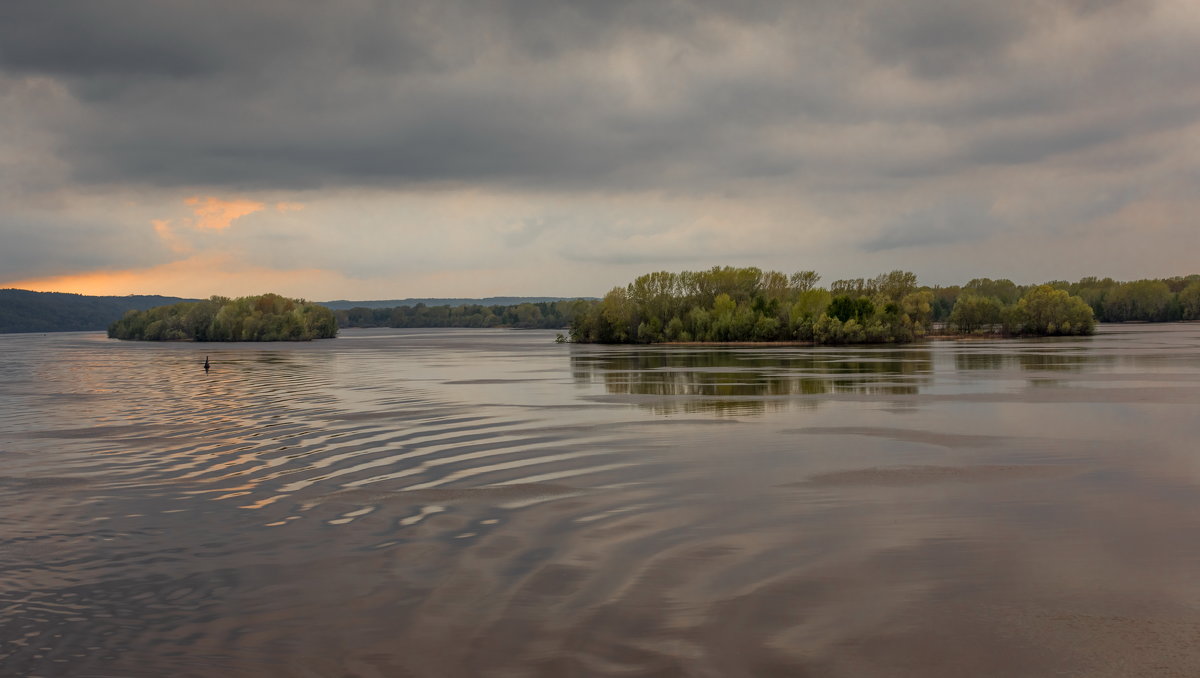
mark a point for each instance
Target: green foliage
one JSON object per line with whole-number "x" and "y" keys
{"x": 1189, "y": 301}
{"x": 918, "y": 306}
{"x": 268, "y": 317}
{"x": 734, "y": 305}
{"x": 1140, "y": 300}
{"x": 548, "y": 315}
{"x": 748, "y": 304}
{"x": 1003, "y": 290}
{"x": 974, "y": 313}
{"x": 845, "y": 307}
{"x": 1161, "y": 300}
{"x": 1045, "y": 310}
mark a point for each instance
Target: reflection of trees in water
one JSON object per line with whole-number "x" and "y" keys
{"x": 706, "y": 379}
{"x": 982, "y": 361}
{"x": 1062, "y": 362}
{"x": 1031, "y": 360}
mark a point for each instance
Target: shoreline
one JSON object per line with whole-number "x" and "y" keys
{"x": 930, "y": 337}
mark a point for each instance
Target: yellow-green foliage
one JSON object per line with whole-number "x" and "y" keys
{"x": 268, "y": 317}
{"x": 1043, "y": 311}
{"x": 748, "y": 304}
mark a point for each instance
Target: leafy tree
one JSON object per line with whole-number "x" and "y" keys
{"x": 804, "y": 281}
{"x": 1045, "y": 310}
{"x": 845, "y": 307}
{"x": 1189, "y": 301}
{"x": 1147, "y": 300}
{"x": 1003, "y": 289}
{"x": 973, "y": 312}
{"x": 918, "y": 306}
{"x": 894, "y": 286}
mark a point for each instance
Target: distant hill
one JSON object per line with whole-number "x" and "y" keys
{"x": 342, "y": 304}
{"x": 25, "y": 311}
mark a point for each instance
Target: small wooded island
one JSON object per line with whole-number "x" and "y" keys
{"x": 749, "y": 305}
{"x": 267, "y": 317}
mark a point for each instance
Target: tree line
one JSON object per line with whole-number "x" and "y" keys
{"x": 267, "y": 317}
{"x": 539, "y": 315}
{"x": 1150, "y": 300}
{"x": 722, "y": 304}
{"x": 726, "y": 304}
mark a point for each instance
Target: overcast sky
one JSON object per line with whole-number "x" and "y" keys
{"x": 373, "y": 149}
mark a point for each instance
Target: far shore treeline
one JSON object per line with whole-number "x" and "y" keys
{"x": 545, "y": 315}
{"x": 747, "y": 304}
{"x": 722, "y": 304}
{"x": 267, "y": 317}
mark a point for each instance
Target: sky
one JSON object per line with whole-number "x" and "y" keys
{"x": 372, "y": 149}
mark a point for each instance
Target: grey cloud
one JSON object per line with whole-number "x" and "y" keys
{"x": 939, "y": 38}
{"x": 953, "y": 221}
{"x": 625, "y": 257}
{"x": 39, "y": 245}
{"x": 682, "y": 96}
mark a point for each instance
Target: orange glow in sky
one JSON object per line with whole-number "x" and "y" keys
{"x": 216, "y": 273}
{"x": 216, "y": 214}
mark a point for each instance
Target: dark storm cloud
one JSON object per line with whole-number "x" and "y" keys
{"x": 683, "y": 96}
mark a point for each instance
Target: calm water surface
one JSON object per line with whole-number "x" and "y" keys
{"x": 489, "y": 503}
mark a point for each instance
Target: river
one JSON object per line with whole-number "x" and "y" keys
{"x": 450, "y": 503}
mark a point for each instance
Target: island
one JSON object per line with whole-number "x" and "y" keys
{"x": 727, "y": 304}
{"x": 266, "y": 317}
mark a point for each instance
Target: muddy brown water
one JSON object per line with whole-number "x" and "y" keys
{"x": 489, "y": 503}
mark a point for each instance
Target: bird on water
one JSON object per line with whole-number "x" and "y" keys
{"x": 206, "y": 365}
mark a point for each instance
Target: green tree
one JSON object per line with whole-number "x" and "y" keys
{"x": 973, "y": 312}
{"x": 918, "y": 306}
{"x": 1045, "y": 310}
{"x": 1189, "y": 301}
{"x": 1146, "y": 300}
{"x": 1003, "y": 289}
{"x": 894, "y": 286}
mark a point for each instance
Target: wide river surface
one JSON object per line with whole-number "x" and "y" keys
{"x": 443, "y": 503}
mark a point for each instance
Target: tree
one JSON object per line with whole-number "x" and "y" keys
{"x": 846, "y": 307}
{"x": 918, "y": 306}
{"x": 895, "y": 286}
{"x": 1045, "y": 310}
{"x": 1189, "y": 301}
{"x": 973, "y": 312}
{"x": 803, "y": 281}
{"x": 1146, "y": 300}
{"x": 1003, "y": 289}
